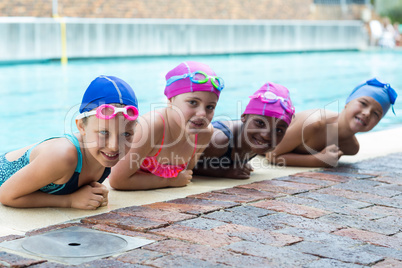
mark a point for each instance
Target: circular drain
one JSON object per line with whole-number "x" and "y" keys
{"x": 74, "y": 244}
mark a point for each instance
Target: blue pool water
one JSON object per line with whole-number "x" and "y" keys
{"x": 40, "y": 100}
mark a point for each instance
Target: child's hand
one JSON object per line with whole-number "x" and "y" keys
{"x": 182, "y": 179}
{"x": 90, "y": 196}
{"x": 105, "y": 192}
{"x": 330, "y": 155}
{"x": 242, "y": 172}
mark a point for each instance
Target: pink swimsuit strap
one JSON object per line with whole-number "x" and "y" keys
{"x": 150, "y": 164}
{"x": 163, "y": 137}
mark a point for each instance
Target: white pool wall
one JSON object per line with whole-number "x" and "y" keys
{"x": 26, "y": 38}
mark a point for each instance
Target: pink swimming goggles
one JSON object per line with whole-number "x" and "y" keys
{"x": 271, "y": 97}
{"x": 107, "y": 111}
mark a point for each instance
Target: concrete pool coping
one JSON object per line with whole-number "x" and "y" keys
{"x": 15, "y": 221}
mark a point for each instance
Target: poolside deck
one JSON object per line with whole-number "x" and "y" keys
{"x": 348, "y": 216}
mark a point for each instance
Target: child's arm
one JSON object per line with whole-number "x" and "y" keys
{"x": 326, "y": 158}
{"x": 242, "y": 171}
{"x": 144, "y": 181}
{"x": 295, "y": 136}
{"x": 50, "y": 165}
{"x": 214, "y": 168}
{"x": 204, "y": 139}
{"x": 127, "y": 175}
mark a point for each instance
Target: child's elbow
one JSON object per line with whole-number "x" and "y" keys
{"x": 272, "y": 158}
{"x": 5, "y": 199}
{"x": 117, "y": 182}
{"x": 113, "y": 182}
{"x": 355, "y": 151}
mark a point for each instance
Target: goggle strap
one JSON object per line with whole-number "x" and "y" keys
{"x": 86, "y": 114}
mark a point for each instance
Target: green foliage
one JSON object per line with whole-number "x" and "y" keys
{"x": 394, "y": 14}
{"x": 389, "y": 8}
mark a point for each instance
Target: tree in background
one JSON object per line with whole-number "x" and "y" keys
{"x": 389, "y": 8}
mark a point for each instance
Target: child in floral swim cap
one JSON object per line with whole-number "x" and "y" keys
{"x": 318, "y": 138}
{"x": 261, "y": 127}
{"x": 68, "y": 171}
{"x": 168, "y": 141}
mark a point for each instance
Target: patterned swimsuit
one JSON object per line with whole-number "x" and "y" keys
{"x": 7, "y": 169}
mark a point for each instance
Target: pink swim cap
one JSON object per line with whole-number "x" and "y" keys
{"x": 191, "y": 76}
{"x": 271, "y": 100}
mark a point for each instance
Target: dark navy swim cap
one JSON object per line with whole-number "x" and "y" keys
{"x": 106, "y": 90}
{"x": 383, "y": 93}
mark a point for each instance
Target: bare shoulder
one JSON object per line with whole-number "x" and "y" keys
{"x": 204, "y": 137}
{"x": 220, "y": 137}
{"x": 151, "y": 120}
{"x": 309, "y": 120}
{"x": 149, "y": 127}
{"x": 58, "y": 154}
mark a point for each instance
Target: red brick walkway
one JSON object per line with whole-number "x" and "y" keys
{"x": 349, "y": 216}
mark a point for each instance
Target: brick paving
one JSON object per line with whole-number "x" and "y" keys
{"x": 348, "y": 216}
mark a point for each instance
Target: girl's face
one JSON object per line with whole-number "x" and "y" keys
{"x": 194, "y": 110}
{"x": 363, "y": 114}
{"x": 263, "y": 133}
{"x": 107, "y": 140}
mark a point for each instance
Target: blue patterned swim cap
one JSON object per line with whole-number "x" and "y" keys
{"x": 383, "y": 93}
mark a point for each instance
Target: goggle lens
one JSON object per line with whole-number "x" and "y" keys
{"x": 270, "y": 96}
{"x": 132, "y": 111}
{"x": 106, "y": 112}
{"x": 217, "y": 82}
{"x": 199, "y": 77}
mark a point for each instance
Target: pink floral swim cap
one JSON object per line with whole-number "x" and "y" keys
{"x": 191, "y": 76}
{"x": 271, "y": 100}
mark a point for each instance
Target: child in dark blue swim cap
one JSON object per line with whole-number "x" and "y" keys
{"x": 68, "y": 171}
{"x": 318, "y": 138}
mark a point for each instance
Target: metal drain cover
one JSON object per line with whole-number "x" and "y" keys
{"x": 75, "y": 245}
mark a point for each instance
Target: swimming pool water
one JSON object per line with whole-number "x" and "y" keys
{"x": 40, "y": 100}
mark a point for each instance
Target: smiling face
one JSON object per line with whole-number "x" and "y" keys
{"x": 363, "y": 114}
{"x": 263, "y": 133}
{"x": 107, "y": 141}
{"x": 194, "y": 110}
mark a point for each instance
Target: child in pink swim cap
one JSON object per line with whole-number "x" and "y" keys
{"x": 169, "y": 141}
{"x": 261, "y": 127}
{"x": 191, "y": 77}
